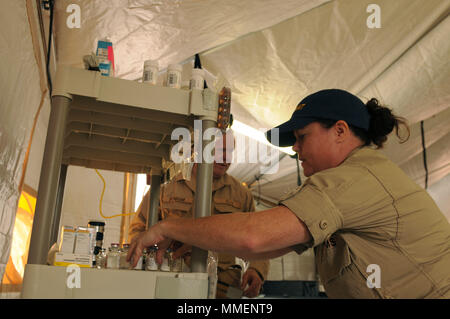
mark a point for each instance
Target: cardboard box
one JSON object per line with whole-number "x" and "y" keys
{"x": 67, "y": 259}
{"x": 85, "y": 240}
{"x": 67, "y": 243}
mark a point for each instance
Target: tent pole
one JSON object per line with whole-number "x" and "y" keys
{"x": 203, "y": 196}
{"x": 155, "y": 187}
{"x": 58, "y": 206}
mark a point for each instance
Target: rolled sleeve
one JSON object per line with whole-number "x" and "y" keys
{"x": 315, "y": 209}
{"x": 261, "y": 266}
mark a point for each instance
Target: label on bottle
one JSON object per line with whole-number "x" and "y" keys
{"x": 150, "y": 264}
{"x": 173, "y": 80}
{"x": 177, "y": 265}
{"x": 165, "y": 265}
{"x": 113, "y": 262}
{"x": 149, "y": 76}
{"x": 139, "y": 264}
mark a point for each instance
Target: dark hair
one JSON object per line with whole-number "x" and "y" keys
{"x": 382, "y": 123}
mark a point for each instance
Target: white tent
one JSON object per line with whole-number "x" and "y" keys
{"x": 271, "y": 53}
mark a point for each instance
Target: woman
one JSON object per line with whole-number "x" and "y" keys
{"x": 376, "y": 234}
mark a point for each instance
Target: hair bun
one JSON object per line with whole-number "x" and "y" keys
{"x": 382, "y": 121}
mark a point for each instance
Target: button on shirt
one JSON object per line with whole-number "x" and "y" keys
{"x": 376, "y": 234}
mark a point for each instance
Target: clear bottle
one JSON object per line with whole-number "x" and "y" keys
{"x": 174, "y": 76}
{"x": 176, "y": 264}
{"x": 100, "y": 259}
{"x": 150, "y": 259}
{"x": 165, "y": 266}
{"x": 212, "y": 263}
{"x": 113, "y": 257}
{"x": 123, "y": 263}
{"x": 140, "y": 263}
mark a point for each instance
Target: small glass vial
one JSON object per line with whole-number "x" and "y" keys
{"x": 165, "y": 266}
{"x": 150, "y": 259}
{"x": 100, "y": 259}
{"x": 151, "y": 68}
{"x": 123, "y": 263}
{"x": 176, "y": 264}
{"x": 113, "y": 257}
{"x": 140, "y": 263}
{"x": 197, "y": 79}
{"x": 212, "y": 273}
{"x": 174, "y": 76}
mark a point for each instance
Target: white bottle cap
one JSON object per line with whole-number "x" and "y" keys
{"x": 175, "y": 67}
{"x": 199, "y": 72}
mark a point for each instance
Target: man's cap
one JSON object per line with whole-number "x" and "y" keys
{"x": 330, "y": 104}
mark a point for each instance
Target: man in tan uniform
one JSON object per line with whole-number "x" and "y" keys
{"x": 376, "y": 234}
{"x": 229, "y": 196}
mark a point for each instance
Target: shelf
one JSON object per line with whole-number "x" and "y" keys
{"x": 52, "y": 282}
{"x": 112, "y": 124}
{"x": 123, "y": 125}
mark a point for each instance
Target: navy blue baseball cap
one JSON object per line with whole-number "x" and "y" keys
{"x": 331, "y": 104}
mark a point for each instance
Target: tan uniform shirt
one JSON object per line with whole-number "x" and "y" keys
{"x": 369, "y": 221}
{"x": 177, "y": 198}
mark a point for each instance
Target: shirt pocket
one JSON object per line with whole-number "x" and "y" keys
{"x": 333, "y": 257}
{"x": 179, "y": 207}
{"x": 226, "y": 206}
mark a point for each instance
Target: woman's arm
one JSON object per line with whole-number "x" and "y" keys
{"x": 264, "y": 234}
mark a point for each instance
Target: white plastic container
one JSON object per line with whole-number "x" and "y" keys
{"x": 151, "y": 68}
{"x": 84, "y": 242}
{"x": 197, "y": 79}
{"x": 174, "y": 76}
{"x": 67, "y": 243}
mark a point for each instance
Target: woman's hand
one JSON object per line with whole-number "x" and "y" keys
{"x": 146, "y": 239}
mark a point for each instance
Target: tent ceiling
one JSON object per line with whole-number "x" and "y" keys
{"x": 272, "y": 53}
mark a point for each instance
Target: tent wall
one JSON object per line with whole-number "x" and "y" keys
{"x": 169, "y": 31}
{"x": 82, "y": 196}
{"x": 273, "y": 53}
{"x": 22, "y": 91}
{"x": 270, "y": 53}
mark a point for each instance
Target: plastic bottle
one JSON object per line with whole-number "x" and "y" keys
{"x": 174, "y": 76}
{"x": 176, "y": 264}
{"x": 197, "y": 79}
{"x": 151, "y": 69}
{"x": 113, "y": 257}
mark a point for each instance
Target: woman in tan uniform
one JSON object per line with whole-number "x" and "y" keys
{"x": 376, "y": 234}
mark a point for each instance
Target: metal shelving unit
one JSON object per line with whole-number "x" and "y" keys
{"x": 113, "y": 124}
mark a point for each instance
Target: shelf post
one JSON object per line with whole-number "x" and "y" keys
{"x": 155, "y": 187}
{"x": 203, "y": 196}
{"x": 48, "y": 183}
